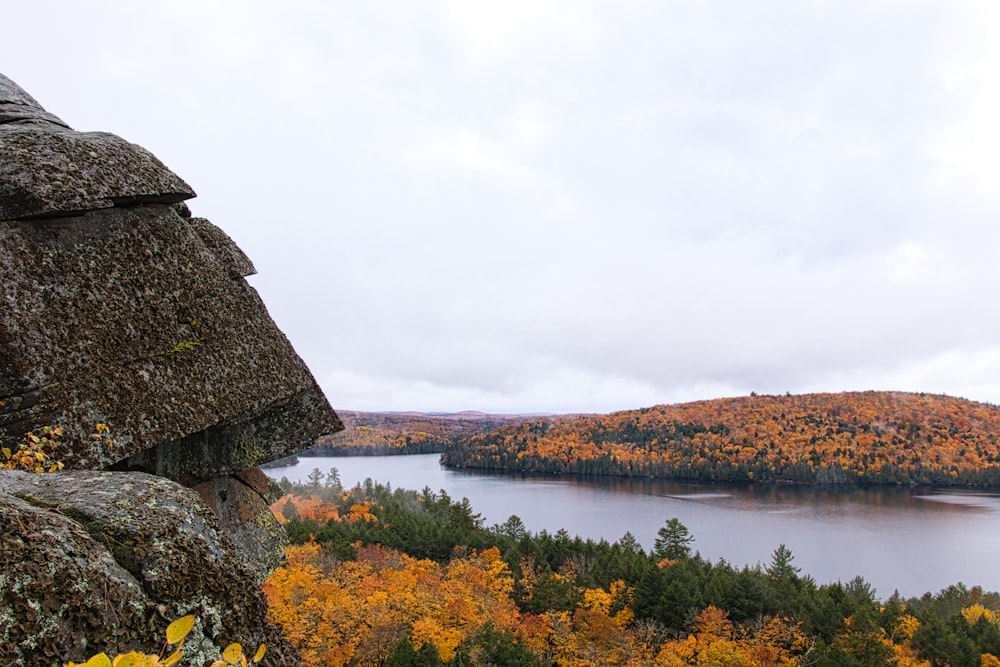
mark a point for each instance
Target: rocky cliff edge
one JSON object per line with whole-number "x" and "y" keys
{"x": 120, "y": 308}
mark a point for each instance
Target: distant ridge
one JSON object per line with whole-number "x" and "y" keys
{"x": 462, "y": 414}
{"x": 409, "y": 432}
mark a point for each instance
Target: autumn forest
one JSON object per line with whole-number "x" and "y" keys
{"x": 386, "y": 576}
{"x": 378, "y": 576}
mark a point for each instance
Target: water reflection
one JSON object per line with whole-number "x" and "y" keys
{"x": 911, "y": 540}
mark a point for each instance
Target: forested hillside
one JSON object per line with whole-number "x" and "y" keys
{"x": 864, "y": 437}
{"x": 379, "y": 433}
{"x": 395, "y": 577}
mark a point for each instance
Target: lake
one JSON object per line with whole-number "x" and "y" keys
{"x": 912, "y": 541}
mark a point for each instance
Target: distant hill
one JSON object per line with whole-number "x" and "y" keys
{"x": 379, "y": 433}
{"x": 871, "y": 437}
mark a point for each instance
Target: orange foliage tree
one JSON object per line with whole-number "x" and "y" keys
{"x": 356, "y": 611}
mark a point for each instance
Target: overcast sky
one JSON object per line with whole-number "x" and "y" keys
{"x": 535, "y": 206}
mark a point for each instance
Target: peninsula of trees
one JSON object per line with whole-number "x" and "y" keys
{"x": 853, "y": 437}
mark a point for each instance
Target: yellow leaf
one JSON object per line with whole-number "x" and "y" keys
{"x": 99, "y": 660}
{"x": 172, "y": 659}
{"x": 179, "y": 629}
{"x": 259, "y": 655}
{"x": 232, "y": 654}
{"x": 6, "y": 452}
{"x": 130, "y": 659}
{"x": 220, "y": 663}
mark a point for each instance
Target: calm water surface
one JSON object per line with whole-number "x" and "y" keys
{"x": 910, "y": 541}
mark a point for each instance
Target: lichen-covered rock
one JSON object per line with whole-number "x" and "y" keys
{"x": 246, "y": 518}
{"x": 17, "y": 106}
{"x": 128, "y": 317}
{"x": 54, "y": 172}
{"x": 47, "y": 169}
{"x": 103, "y": 561}
{"x": 120, "y": 308}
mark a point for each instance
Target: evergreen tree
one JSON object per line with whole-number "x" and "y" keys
{"x": 333, "y": 479}
{"x": 781, "y": 564}
{"x": 673, "y": 541}
{"x": 629, "y": 544}
{"x": 513, "y": 528}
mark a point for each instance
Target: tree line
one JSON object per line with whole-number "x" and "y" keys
{"x": 852, "y": 437}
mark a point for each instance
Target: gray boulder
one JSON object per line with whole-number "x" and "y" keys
{"x": 238, "y": 503}
{"x": 103, "y": 561}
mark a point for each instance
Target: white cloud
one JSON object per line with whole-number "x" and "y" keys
{"x": 969, "y": 147}
{"x": 908, "y": 263}
{"x": 556, "y": 205}
{"x": 469, "y": 149}
{"x": 490, "y": 28}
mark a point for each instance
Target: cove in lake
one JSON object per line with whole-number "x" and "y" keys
{"x": 913, "y": 541}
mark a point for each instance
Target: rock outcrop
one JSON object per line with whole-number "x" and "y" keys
{"x": 120, "y": 308}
